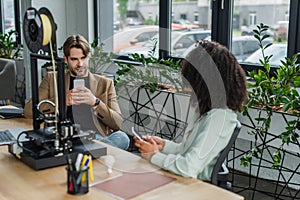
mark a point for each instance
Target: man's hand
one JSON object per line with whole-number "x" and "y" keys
{"x": 69, "y": 100}
{"x": 81, "y": 95}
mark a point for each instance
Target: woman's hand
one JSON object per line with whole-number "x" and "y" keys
{"x": 148, "y": 147}
{"x": 159, "y": 141}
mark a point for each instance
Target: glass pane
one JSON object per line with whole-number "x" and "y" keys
{"x": 136, "y": 30}
{"x": 9, "y": 16}
{"x": 246, "y": 16}
{"x": 191, "y": 21}
{"x": 135, "y": 25}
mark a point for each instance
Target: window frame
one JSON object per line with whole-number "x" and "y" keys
{"x": 1, "y": 17}
{"x": 222, "y": 13}
{"x": 17, "y": 21}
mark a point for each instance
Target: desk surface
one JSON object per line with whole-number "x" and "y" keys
{"x": 18, "y": 181}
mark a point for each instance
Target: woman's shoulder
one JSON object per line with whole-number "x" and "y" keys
{"x": 221, "y": 114}
{"x": 221, "y": 111}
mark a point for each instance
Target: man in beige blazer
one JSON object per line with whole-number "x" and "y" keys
{"x": 94, "y": 106}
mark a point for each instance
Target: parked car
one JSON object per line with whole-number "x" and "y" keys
{"x": 278, "y": 50}
{"x": 133, "y": 36}
{"x": 183, "y": 24}
{"x": 248, "y": 30}
{"x": 180, "y": 41}
{"x": 9, "y": 23}
{"x": 134, "y": 17}
{"x": 281, "y": 30}
{"x": 117, "y": 25}
{"x": 244, "y": 46}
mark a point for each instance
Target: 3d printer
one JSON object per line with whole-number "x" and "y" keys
{"x": 49, "y": 146}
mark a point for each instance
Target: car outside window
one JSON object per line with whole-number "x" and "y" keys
{"x": 146, "y": 36}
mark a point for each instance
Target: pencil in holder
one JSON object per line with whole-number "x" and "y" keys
{"x": 78, "y": 181}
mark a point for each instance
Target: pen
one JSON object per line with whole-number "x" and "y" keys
{"x": 90, "y": 165}
{"x": 78, "y": 161}
{"x": 83, "y": 160}
{"x": 70, "y": 188}
{"x": 70, "y": 163}
{"x": 72, "y": 185}
{"x": 81, "y": 177}
{"x": 83, "y": 168}
{"x": 86, "y": 162}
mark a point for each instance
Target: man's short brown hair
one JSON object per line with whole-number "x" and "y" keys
{"x": 77, "y": 41}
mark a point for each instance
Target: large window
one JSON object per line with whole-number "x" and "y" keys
{"x": 135, "y": 26}
{"x": 136, "y": 22}
{"x": 247, "y": 15}
{"x": 192, "y": 19}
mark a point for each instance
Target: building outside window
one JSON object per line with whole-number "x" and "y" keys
{"x": 9, "y": 15}
{"x": 196, "y": 18}
{"x": 252, "y": 18}
{"x": 182, "y": 16}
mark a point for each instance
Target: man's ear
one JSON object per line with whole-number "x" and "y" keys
{"x": 66, "y": 59}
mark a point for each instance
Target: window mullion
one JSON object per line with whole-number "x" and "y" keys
{"x": 222, "y": 21}
{"x": 165, "y": 10}
{"x": 294, "y": 28}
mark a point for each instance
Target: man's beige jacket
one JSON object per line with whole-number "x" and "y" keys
{"x": 107, "y": 115}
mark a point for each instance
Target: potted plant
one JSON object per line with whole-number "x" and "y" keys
{"x": 9, "y": 48}
{"x": 269, "y": 140}
{"x": 150, "y": 72}
{"x": 99, "y": 59}
{"x": 150, "y": 95}
{"x": 269, "y": 94}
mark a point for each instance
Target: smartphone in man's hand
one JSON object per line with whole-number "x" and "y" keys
{"x": 78, "y": 83}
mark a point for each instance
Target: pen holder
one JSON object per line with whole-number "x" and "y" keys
{"x": 78, "y": 181}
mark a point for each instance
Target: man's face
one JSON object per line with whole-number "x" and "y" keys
{"x": 78, "y": 62}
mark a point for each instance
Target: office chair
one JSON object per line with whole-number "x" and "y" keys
{"x": 7, "y": 79}
{"x": 220, "y": 171}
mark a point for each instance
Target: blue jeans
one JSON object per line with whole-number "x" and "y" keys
{"x": 118, "y": 139}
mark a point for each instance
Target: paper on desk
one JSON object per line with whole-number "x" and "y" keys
{"x": 139, "y": 184}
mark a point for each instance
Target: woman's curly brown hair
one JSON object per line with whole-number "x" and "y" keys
{"x": 233, "y": 76}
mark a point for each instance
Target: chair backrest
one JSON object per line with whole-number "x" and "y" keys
{"x": 7, "y": 79}
{"x": 220, "y": 168}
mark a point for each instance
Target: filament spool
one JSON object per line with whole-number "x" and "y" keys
{"x": 47, "y": 30}
{"x": 39, "y": 28}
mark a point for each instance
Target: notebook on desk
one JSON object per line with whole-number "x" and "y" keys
{"x": 10, "y": 136}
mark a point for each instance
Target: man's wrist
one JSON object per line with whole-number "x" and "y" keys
{"x": 97, "y": 102}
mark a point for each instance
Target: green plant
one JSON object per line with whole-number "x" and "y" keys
{"x": 150, "y": 21}
{"x": 271, "y": 94}
{"x": 152, "y": 73}
{"x": 122, "y": 8}
{"x": 9, "y": 48}
{"x": 98, "y": 56}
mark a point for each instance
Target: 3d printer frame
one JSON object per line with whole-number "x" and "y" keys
{"x": 36, "y": 120}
